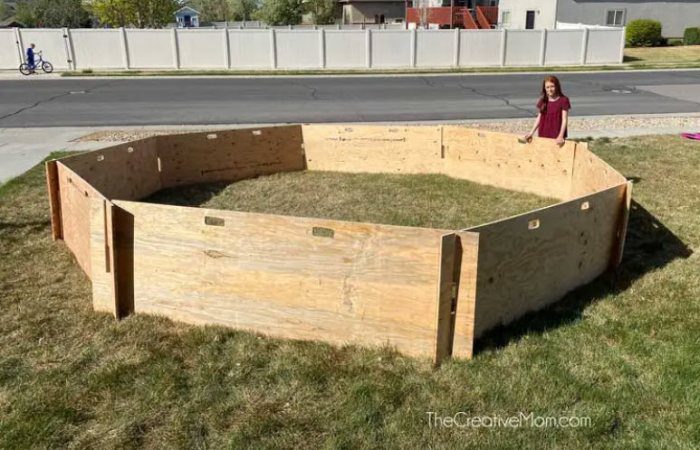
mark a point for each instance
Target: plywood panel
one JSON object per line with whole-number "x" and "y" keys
{"x": 591, "y": 174}
{"x": 498, "y": 159}
{"x": 126, "y": 171}
{"x": 531, "y": 260}
{"x": 75, "y": 195}
{"x": 283, "y": 276}
{"x": 229, "y": 155}
{"x": 373, "y": 149}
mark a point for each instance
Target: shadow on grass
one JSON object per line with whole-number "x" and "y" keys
{"x": 193, "y": 195}
{"x": 649, "y": 246}
{"x": 631, "y": 59}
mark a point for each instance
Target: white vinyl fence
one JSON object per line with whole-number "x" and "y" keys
{"x": 310, "y": 49}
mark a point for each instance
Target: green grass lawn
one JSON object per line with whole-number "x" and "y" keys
{"x": 654, "y": 55}
{"x": 433, "y": 201}
{"x": 624, "y": 351}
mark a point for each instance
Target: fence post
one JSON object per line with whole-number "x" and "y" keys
{"x": 368, "y": 48}
{"x": 20, "y": 45}
{"x": 414, "y": 44}
{"x": 504, "y": 38}
{"x": 176, "y": 50}
{"x": 273, "y": 49}
{"x": 125, "y": 48}
{"x": 455, "y": 58}
{"x": 68, "y": 46}
{"x": 322, "y": 47}
{"x": 543, "y": 46}
{"x": 622, "y": 44}
{"x": 227, "y": 48}
{"x": 584, "y": 46}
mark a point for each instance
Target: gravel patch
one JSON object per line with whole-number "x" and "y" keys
{"x": 578, "y": 125}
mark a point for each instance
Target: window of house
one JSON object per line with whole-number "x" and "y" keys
{"x": 615, "y": 17}
{"x": 505, "y": 19}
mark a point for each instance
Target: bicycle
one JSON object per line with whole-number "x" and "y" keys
{"x": 26, "y": 69}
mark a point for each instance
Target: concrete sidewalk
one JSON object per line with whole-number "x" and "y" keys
{"x": 22, "y": 148}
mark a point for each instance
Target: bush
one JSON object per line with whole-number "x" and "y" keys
{"x": 691, "y": 36}
{"x": 643, "y": 33}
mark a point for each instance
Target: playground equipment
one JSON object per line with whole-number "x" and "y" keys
{"x": 428, "y": 292}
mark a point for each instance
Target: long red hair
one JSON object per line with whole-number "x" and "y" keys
{"x": 542, "y": 103}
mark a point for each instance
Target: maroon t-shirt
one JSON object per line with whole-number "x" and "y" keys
{"x": 550, "y": 123}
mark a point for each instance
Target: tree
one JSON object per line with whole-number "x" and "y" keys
{"x": 52, "y": 13}
{"x": 139, "y": 13}
{"x": 4, "y": 10}
{"x": 213, "y": 10}
{"x": 323, "y": 12}
{"x": 281, "y": 12}
{"x": 115, "y": 13}
{"x": 225, "y": 10}
{"x": 243, "y": 9}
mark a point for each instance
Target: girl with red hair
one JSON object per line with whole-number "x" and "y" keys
{"x": 553, "y": 112}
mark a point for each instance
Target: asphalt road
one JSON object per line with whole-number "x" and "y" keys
{"x": 147, "y": 101}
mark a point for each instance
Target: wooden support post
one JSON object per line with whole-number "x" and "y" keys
{"x": 456, "y": 296}
{"x": 53, "y": 187}
{"x": 446, "y": 298}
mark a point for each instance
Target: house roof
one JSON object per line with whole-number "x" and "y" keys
{"x": 11, "y": 22}
{"x": 187, "y": 9}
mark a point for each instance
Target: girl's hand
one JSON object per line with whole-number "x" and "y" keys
{"x": 526, "y": 139}
{"x": 560, "y": 141}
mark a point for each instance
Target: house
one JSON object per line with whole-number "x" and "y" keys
{"x": 187, "y": 17}
{"x": 372, "y": 11}
{"x": 674, "y": 15}
{"x": 469, "y": 14}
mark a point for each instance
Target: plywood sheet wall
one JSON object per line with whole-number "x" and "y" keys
{"x": 591, "y": 174}
{"x": 75, "y": 196}
{"x": 287, "y": 277}
{"x": 498, "y": 159}
{"x": 373, "y": 149}
{"x": 531, "y": 260}
{"x": 229, "y": 155}
{"x": 126, "y": 171}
